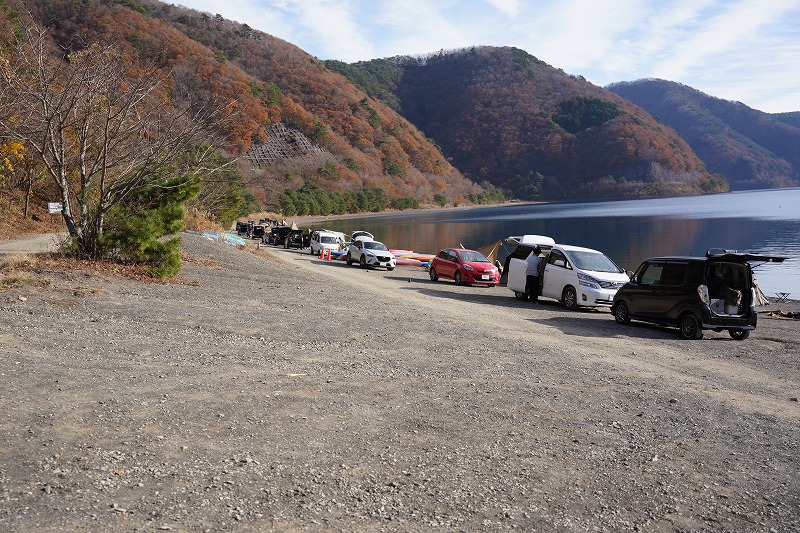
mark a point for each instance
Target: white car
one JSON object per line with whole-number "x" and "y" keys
{"x": 323, "y": 238}
{"x": 575, "y": 276}
{"x": 369, "y": 253}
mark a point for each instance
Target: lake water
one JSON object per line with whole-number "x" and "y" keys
{"x": 627, "y": 231}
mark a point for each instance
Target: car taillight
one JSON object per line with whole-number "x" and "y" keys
{"x": 702, "y": 291}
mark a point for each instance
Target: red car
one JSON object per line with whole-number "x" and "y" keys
{"x": 464, "y": 266}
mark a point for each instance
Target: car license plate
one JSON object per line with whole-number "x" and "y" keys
{"x": 484, "y": 277}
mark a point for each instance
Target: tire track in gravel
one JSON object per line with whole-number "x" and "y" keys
{"x": 712, "y": 368}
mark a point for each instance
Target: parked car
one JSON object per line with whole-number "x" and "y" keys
{"x": 573, "y": 275}
{"x": 257, "y": 231}
{"x": 296, "y": 238}
{"x": 715, "y": 292}
{"x": 277, "y": 235}
{"x": 243, "y": 227}
{"x": 463, "y": 266}
{"x": 370, "y": 253}
{"x": 329, "y": 240}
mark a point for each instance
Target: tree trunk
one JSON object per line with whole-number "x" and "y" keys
{"x": 28, "y": 193}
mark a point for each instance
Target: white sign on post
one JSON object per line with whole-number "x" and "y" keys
{"x": 54, "y": 207}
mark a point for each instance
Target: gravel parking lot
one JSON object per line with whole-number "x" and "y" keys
{"x": 270, "y": 390}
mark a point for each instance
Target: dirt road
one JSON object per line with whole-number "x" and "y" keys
{"x": 32, "y": 244}
{"x": 274, "y": 391}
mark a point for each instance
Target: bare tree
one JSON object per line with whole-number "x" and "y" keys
{"x": 100, "y": 127}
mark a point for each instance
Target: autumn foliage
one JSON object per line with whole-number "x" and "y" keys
{"x": 753, "y": 149}
{"x": 263, "y": 81}
{"x": 506, "y": 118}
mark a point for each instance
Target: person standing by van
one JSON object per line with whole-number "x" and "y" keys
{"x": 532, "y": 274}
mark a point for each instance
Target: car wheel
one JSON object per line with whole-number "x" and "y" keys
{"x": 433, "y": 275}
{"x": 622, "y": 314}
{"x": 690, "y": 327}
{"x": 739, "y": 334}
{"x": 389, "y": 268}
{"x": 520, "y": 295}
{"x": 569, "y": 298}
{"x": 457, "y": 278}
{"x": 349, "y": 259}
{"x": 363, "y": 261}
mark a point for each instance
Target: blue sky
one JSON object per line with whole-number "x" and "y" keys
{"x": 743, "y": 50}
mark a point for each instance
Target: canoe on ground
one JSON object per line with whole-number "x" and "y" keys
{"x": 407, "y": 261}
{"x": 420, "y": 257}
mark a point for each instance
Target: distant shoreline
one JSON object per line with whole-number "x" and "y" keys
{"x": 316, "y": 219}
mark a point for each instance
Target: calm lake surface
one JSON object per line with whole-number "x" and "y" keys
{"x": 627, "y": 231}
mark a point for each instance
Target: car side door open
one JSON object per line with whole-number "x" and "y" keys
{"x": 553, "y": 280}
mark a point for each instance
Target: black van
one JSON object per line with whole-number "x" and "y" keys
{"x": 716, "y": 292}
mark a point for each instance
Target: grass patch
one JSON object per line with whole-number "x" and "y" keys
{"x": 22, "y": 280}
{"x": 13, "y": 263}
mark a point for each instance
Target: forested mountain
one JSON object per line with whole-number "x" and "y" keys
{"x": 792, "y": 118}
{"x": 753, "y": 149}
{"x": 506, "y": 118}
{"x": 445, "y": 128}
{"x": 364, "y": 145}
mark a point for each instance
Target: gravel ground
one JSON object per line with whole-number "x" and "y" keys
{"x": 270, "y": 390}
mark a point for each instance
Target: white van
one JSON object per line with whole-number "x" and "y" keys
{"x": 323, "y": 238}
{"x": 575, "y": 276}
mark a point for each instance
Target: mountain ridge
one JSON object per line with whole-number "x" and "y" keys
{"x": 542, "y": 134}
{"x": 753, "y": 149}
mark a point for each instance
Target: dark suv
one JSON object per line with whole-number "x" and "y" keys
{"x": 716, "y": 292}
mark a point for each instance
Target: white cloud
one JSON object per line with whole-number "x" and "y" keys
{"x": 327, "y": 21}
{"x": 747, "y": 50}
{"x": 510, "y": 8}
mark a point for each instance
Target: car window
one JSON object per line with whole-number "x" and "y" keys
{"x": 558, "y": 259}
{"x": 443, "y": 254}
{"x": 595, "y": 261}
{"x": 473, "y": 257}
{"x": 374, "y": 245}
{"x": 695, "y": 272}
{"x": 651, "y": 274}
{"x": 522, "y": 251}
{"x": 451, "y": 256}
{"x": 673, "y": 274}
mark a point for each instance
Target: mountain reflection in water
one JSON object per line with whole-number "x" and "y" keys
{"x": 628, "y": 231}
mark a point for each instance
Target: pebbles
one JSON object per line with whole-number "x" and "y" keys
{"x": 237, "y": 402}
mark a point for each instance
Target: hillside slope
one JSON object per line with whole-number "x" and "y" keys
{"x": 506, "y": 118}
{"x": 364, "y": 143}
{"x": 753, "y": 149}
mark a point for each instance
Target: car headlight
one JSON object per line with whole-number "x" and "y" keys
{"x": 469, "y": 267}
{"x": 588, "y": 281}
